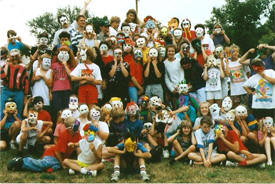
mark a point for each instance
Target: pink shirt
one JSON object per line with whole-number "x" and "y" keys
{"x": 59, "y": 128}
{"x": 61, "y": 81}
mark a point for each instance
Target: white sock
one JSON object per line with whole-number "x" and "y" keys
{"x": 83, "y": 170}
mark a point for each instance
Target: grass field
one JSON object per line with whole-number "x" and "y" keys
{"x": 159, "y": 172}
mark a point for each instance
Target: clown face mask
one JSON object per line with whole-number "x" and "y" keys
{"x": 66, "y": 113}
{"x": 89, "y": 134}
{"x": 83, "y": 55}
{"x": 63, "y": 20}
{"x": 103, "y": 48}
{"x": 126, "y": 30}
{"x": 183, "y": 88}
{"x": 241, "y": 111}
{"x": 46, "y": 63}
{"x": 127, "y": 48}
{"x": 94, "y": 114}
{"x": 138, "y": 54}
{"x": 227, "y": 104}
{"x": 117, "y": 52}
{"x": 218, "y": 129}
{"x": 164, "y": 31}
{"x": 162, "y": 51}
{"x": 73, "y": 103}
{"x": 178, "y": 33}
{"x": 155, "y": 101}
{"x": 43, "y": 41}
{"x": 10, "y": 107}
{"x": 153, "y": 53}
{"x": 185, "y": 24}
{"x": 199, "y": 32}
{"x": 230, "y": 116}
{"x": 32, "y": 117}
{"x": 130, "y": 145}
{"x": 140, "y": 42}
{"x": 116, "y": 102}
{"x": 63, "y": 56}
{"x": 268, "y": 123}
{"x": 83, "y": 109}
{"x": 164, "y": 117}
{"x": 211, "y": 61}
{"x": 132, "y": 108}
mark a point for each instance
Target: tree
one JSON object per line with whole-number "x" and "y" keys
{"x": 48, "y": 22}
{"x": 242, "y": 21}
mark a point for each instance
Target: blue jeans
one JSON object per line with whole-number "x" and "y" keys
{"x": 39, "y": 165}
{"x": 18, "y": 97}
{"x": 133, "y": 94}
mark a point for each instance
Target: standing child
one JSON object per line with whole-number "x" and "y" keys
{"x": 205, "y": 138}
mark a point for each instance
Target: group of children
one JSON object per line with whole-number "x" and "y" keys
{"x": 136, "y": 95}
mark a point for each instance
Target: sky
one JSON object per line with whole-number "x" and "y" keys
{"x": 16, "y": 13}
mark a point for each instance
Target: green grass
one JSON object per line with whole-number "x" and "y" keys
{"x": 160, "y": 172}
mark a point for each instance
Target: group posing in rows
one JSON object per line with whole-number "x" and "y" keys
{"x": 135, "y": 93}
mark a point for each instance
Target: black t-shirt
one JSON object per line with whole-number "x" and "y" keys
{"x": 152, "y": 78}
{"x": 117, "y": 133}
{"x": 193, "y": 76}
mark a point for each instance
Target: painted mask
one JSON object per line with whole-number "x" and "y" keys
{"x": 162, "y": 51}
{"x": 108, "y": 106}
{"x": 83, "y": 55}
{"x": 83, "y": 109}
{"x": 185, "y": 24}
{"x": 150, "y": 24}
{"x": 155, "y": 101}
{"x": 43, "y": 41}
{"x": 73, "y": 103}
{"x": 66, "y": 113}
{"x": 133, "y": 26}
{"x": 32, "y": 117}
{"x": 132, "y": 108}
{"x": 164, "y": 31}
{"x": 126, "y": 30}
{"x": 164, "y": 117}
{"x": 214, "y": 111}
{"x": 199, "y": 32}
{"x": 218, "y": 51}
{"x": 183, "y": 88}
{"x": 116, "y": 102}
{"x": 185, "y": 47}
{"x": 10, "y": 107}
{"x": 89, "y": 29}
{"x": 153, "y": 52}
{"x": 219, "y": 129}
{"x": 103, "y": 47}
{"x": 63, "y": 20}
{"x": 147, "y": 125}
{"x": 218, "y": 30}
{"x": 89, "y": 134}
{"x": 46, "y": 63}
{"x": 211, "y": 61}
{"x": 177, "y": 33}
{"x": 227, "y": 104}
{"x": 268, "y": 122}
{"x": 120, "y": 38}
{"x": 63, "y": 56}
{"x": 230, "y": 116}
{"x": 130, "y": 145}
{"x": 117, "y": 52}
{"x": 241, "y": 111}
{"x": 138, "y": 53}
{"x": 140, "y": 42}
{"x": 94, "y": 114}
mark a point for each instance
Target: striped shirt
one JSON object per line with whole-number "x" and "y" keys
{"x": 16, "y": 78}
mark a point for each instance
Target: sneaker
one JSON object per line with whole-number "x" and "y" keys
{"x": 269, "y": 163}
{"x": 71, "y": 172}
{"x": 15, "y": 164}
{"x": 262, "y": 165}
{"x": 115, "y": 176}
{"x": 144, "y": 176}
{"x": 165, "y": 153}
{"x": 12, "y": 145}
{"x": 191, "y": 162}
{"x": 230, "y": 164}
{"x": 92, "y": 172}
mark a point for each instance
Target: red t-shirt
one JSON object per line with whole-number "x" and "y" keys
{"x": 64, "y": 139}
{"x": 136, "y": 70}
{"x": 191, "y": 35}
{"x": 231, "y": 137}
{"x": 200, "y": 58}
{"x": 44, "y": 115}
{"x": 50, "y": 151}
{"x": 107, "y": 59}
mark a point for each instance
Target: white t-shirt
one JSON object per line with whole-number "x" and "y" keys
{"x": 174, "y": 74}
{"x": 87, "y": 156}
{"x": 237, "y": 78}
{"x": 40, "y": 87}
{"x": 213, "y": 82}
{"x": 102, "y": 126}
{"x": 264, "y": 98}
{"x": 80, "y": 70}
{"x": 112, "y": 31}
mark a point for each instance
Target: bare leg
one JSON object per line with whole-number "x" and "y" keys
{"x": 192, "y": 148}
{"x": 267, "y": 149}
{"x": 106, "y": 154}
{"x": 23, "y": 140}
{"x": 151, "y": 140}
{"x": 196, "y": 157}
{"x": 218, "y": 158}
{"x": 14, "y": 130}
{"x": 258, "y": 158}
{"x": 72, "y": 164}
{"x": 3, "y": 145}
{"x": 96, "y": 166}
{"x": 253, "y": 137}
{"x": 272, "y": 139}
{"x": 234, "y": 156}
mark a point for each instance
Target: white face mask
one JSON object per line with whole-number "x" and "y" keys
{"x": 268, "y": 122}
{"x": 214, "y": 111}
{"x": 66, "y": 113}
{"x": 83, "y": 55}
{"x": 43, "y": 41}
{"x": 108, "y": 107}
{"x": 227, "y": 104}
{"x": 126, "y": 30}
{"x": 218, "y": 51}
{"x": 183, "y": 88}
{"x": 241, "y": 111}
{"x": 218, "y": 30}
{"x": 140, "y": 42}
{"x": 133, "y": 26}
{"x": 162, "y": 51}
{"x": 164, "y": 118}
{"x": 46, "y": 63}
{"x": 63, "y": 56}
{"x": 83, "y": 109}
{"x": 89, "y": 29}
{"x": 132, "y": 109}
{"x": 153, "y": 52}
{"x": 138, "y": 53}
{"x": 103, "y": 47}
{"x": 116, "y": 104}
{"x": 178, "y": 33}
{"x": 63, "y": 20}
{"x": 32, "y": 118}
{"x": 94, "y": 114}
{"x": 73, "y": 104}
{"x": 127, "y": 48}
{"x": 117, "y": 52}
{"x": 230, "y": 116}
{"x": 155, "y": 101}
{"x": 199, "y": 32}
{"x": 186, "y": 24}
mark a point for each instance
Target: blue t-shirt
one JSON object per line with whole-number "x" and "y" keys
{"x": 134, "y": 127}
{"x": 17, "y": 45}
{"x": 251, "y": 123}
{"x": 139, "y": 147}
{"x": 10, "y": 119}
